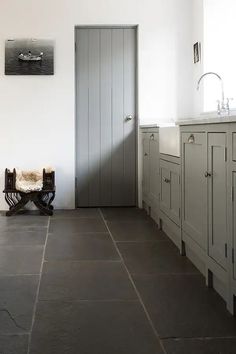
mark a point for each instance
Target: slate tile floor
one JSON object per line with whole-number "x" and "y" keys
{"x": 103, "y": 281}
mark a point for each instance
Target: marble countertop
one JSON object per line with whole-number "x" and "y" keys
{"x": 208, "y": 119}
{"x": 205, "y": 118}
{"x": 145, "y": 126}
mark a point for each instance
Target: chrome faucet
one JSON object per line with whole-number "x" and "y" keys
{"x": 222, "y": 106}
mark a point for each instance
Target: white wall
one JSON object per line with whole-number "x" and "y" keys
{"x": 198, "y": 68}
{"x": 219, "y": 50}
{"x": 37, "y": 113}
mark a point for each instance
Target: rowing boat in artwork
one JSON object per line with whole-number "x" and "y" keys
{"x": 29, "y": 57}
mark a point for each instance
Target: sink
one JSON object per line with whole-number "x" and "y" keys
{"x": 169, "y": 138}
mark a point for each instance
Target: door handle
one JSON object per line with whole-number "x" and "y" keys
{"x": 128, "y": 117}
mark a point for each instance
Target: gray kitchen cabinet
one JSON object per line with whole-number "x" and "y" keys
{"x": 232, "y": 215}
{"x": 217, "y": 197}
{"x": 199, "y": 215}
{"x": 206, "y": 194}
{"x": 170, "y": 190}
{"x": 154, "y": 167}
{"x": 234, "y": 227}
{"x": 146, "y": 168}
{"x": 165, "y": 187}
{"x": 194, "y": 187}
{"x": 170, "y": 197}
{"x": 150, "y": 174}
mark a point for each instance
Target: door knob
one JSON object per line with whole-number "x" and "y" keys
{"x": 207, "y": 174}
{"x": 128, "y": 118}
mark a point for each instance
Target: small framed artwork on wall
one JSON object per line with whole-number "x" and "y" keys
{"x": 196, "y": 52}
{"x": 29, "y": 57}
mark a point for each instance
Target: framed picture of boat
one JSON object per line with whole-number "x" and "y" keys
{"x": 29, "y": 57}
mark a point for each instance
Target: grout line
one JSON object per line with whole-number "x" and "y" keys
{"x": 198, "y": 338}
{"x": 19, "y": 334}
{"x": 134, "y": 286}
{"x": 142, "y": 241}
{"x": 148, "y": 275}
{"x": 19, "y": 275}
{"x": 37, "y": 292}
{"x": 72, "y": 301}
{"x": 80, "y": 233}
{"x": 82, "y": 261}
{"x": 118, "y": 260}
{"x": 22, "y": 246}
{"x": 77, "y": 217}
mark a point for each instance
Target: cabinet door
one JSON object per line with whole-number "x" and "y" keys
{"x": 170, "y": 190}
{"x": 175, "y": 193}
{"x": 146, "y": 169}
{"x": 234, "y": 221}
{"x": 154, "y": 166}
{"x": 165, "y": 187}
{"x": 194, "y": 188}
{"x": 217, "y": 196}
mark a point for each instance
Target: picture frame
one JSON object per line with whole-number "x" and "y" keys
{"x": 29, "y": 56}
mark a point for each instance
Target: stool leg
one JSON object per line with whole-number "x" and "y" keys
{"x": 14, "y": 209}
{"x": 42, "y": 208}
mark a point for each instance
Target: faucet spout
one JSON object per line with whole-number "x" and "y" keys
{"x": 222, "y": 86}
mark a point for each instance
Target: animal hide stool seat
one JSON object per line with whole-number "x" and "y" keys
{"x": 37, "y": 186}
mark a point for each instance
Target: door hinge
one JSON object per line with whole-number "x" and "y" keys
{"x": 233, "y": 255}
{"x": 232, "y": 194}
{"x": 226, "y": 250}
{"x": 75, "y": 47}
{"x": 179, "y": 212}
{"x": 225, "y": 154}
{"x": 179, "y": 179}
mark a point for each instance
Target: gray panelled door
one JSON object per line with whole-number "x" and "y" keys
{"x": 105, "y": 106}
{"x": 217, "y": 166}
{"x": 194, "y": 159}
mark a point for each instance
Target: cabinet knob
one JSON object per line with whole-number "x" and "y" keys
{"x": 191, "y": 139}
{"x": 145, "y": 154}
{"x": 207, "y": 174}
{"x": 166, "y": 180}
